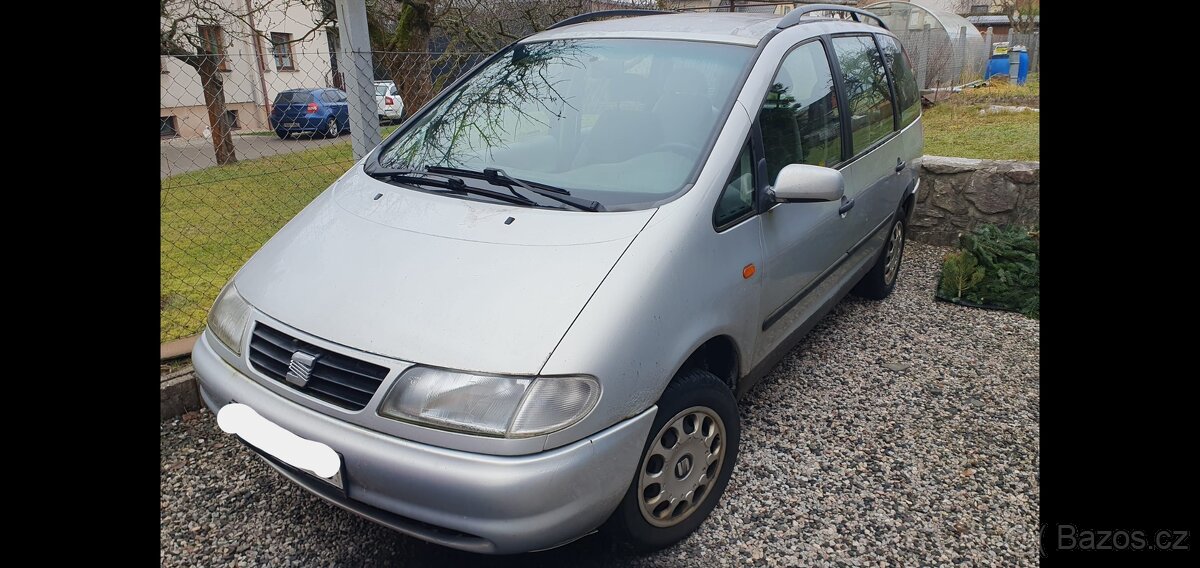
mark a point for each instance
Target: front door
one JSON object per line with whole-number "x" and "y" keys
{"x": 799, "y": 124}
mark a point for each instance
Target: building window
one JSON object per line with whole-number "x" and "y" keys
{"x": 166, "y": 127}
{"x": 281, "y": 46}
{"x": 213, "y": 43}
{"x": 980, "y": 8}
{"x": 231, "y": 118}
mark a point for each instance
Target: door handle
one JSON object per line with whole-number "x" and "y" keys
{"x": 847, "y": 205}
{"x": 900, "y": 165}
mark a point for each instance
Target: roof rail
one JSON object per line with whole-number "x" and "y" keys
{"x": 604, "y": 14}
{"x": 792, "y": 18}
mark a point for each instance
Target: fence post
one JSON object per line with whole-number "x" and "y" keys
{"x": 987, "y": 54}
{"x": 358, "y": 75}
{"x": 923, "y": 57}
{"x": 1033, "y": 52}
{"x": 963, "y": 62}
{"x": 1014, "y": 59}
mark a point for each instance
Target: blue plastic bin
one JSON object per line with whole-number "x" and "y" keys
{"x": 998, "y": 65}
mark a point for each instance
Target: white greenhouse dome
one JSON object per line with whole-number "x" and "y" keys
{"x": 946, "y": 50}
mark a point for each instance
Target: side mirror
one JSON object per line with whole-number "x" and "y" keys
{"x": 807, "y": 183}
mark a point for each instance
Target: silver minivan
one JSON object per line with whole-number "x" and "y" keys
{"x": 528, "y": 314}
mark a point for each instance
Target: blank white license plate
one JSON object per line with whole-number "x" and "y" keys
{"x": 315, "y": 458}
{"x": 291, "y": 124}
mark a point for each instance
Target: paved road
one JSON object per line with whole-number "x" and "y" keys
{"x": 178, "y": 155}
{"x": 898, "y": 433}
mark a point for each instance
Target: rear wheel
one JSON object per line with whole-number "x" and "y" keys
{"x": 332, "y": 129}
{"x": 685, "y": 465}
{"x": 881, "y": 280}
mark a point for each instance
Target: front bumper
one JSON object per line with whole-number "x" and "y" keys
{"x": 469, "y": 501}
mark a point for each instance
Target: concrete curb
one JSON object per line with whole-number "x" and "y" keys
{"x": 178, "y": 393}
{"x": 177, "y": 348}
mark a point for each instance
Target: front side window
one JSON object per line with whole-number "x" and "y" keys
{"x": 908, "y": 98}
{"x": 625, "y": 122}
{"x": 799, "y": 118}
{"x": 867, "y": 90}
{"x": 281, "y": 47}
{"x": 737, "y": 199}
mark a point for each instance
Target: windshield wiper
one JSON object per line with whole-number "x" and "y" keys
{"x": 448, "y": 182}
{"x": 497, "y": 176}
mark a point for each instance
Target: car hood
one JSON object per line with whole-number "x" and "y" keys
{"x": 435, "y": 279}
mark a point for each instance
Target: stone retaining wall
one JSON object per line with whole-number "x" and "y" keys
{"x": 957, "y": 194}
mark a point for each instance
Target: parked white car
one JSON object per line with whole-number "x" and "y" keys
{"x": 387, "y": 100}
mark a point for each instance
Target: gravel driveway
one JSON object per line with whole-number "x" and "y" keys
{"x": 903, "y": 432}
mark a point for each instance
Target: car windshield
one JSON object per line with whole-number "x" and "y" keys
{"x": 294, "y": 98}
{"x": 381, "y": 89}
{"x": 625, "y": 122}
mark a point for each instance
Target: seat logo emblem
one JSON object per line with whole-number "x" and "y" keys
{"x": 683, "y": 467}
{"x": 300, "y": 368}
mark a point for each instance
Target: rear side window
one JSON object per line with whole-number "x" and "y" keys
{"x": 329, "y": 96}
{"x": 867, "y": 90}
{"x": 799, "y": 119}
{"x": 907, "y": 97}
{"x": 294, "y": 98}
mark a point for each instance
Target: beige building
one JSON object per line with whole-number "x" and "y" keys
{"x": 256, "y": 67}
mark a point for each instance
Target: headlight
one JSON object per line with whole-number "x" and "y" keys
{"x": 511, "y": 407}
{"x": 228, "y": 318}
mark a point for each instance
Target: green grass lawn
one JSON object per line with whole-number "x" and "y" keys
{"x": 212, "y": 220}
{"x": 954, "y": 127}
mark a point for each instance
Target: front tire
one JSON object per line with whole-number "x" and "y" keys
{"x": 685, "y": 465}
{"x": 881, "y": 280}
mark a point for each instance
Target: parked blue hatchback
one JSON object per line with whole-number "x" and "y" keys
{"x": 315, "y": 111}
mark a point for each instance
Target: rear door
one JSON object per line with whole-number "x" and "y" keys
{"x": 911, "y": 142}
{"x": 876, "y": 157}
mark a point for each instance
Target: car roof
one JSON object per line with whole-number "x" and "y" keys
{"x": 740, "y": 28}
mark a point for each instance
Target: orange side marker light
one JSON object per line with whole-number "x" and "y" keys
{"x": 748, "y": 271}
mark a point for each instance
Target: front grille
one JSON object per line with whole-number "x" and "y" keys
{"x": 335, "y": 378}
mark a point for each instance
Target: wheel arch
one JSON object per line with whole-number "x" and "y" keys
{"x": 718, "y": 355}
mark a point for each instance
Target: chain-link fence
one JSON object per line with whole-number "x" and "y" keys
{"x": 249, "y": 141}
